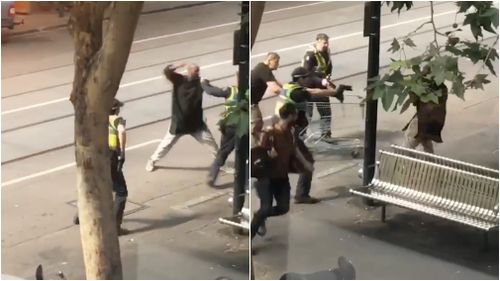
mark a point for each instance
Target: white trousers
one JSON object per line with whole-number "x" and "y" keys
{"x": 203, "y": 136}
{"x": 412, "y": 142}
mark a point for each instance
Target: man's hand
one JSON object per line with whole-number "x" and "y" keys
{"x": 309, "y": 167}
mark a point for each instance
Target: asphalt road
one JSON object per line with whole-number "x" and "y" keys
{"x": 38, "y": 174}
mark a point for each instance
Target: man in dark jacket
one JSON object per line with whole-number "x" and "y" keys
{"x": 427, "y": 124}
{"x": 187, "y": 113}
{"x": 303, "y": 88}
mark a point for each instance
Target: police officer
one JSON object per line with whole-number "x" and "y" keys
{"x": 117, "y": 139}
{"x": 304, "y": 87}
{"x": 317, "y": 60}
{"x": 228, "y": 138}
{"x": 117, "y": 142}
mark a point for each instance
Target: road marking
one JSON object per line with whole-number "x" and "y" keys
{"x": 355, "y": 33}
{"x": 34, "y": 106}
{"x": 121, "y": 86}
{"x": 294, "y": 7}
{"x": 69, "y": 165}
{"x": 186, "y": 32}
{"x": 230, "y": 61}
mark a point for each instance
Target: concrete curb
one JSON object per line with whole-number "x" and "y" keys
{"x": 57, "y": 26}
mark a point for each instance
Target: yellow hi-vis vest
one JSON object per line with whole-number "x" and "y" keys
{"x": 113, "y": 132}
{"x": 232, "y": 100}
{"x": 321, "y": 66}
{"x": 286, "y": 97}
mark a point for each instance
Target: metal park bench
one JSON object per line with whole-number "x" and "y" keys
{"x": 435, "y": 188}
{"x": 440, "y": 160}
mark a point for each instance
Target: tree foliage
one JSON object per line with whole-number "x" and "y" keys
{"x": 438, "y": 64}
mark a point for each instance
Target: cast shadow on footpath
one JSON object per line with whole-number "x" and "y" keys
{"x": 224, "y": 261}
{"x": 182, "y": 168}
{"x": 340, "y": 192}
{"x": 384, "y": 139}
{"x": 155, "y": 224}
{"x": 429, "y": 235}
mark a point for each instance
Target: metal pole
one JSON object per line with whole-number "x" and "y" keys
{"x": 372, "y": 29}
{"x": 242, "y": 143}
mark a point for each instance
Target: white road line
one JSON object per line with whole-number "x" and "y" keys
{"x": 218, "y": 25}
{"x": 354, "y": 34}
{"x": 62, "y": 167}
{"x": 294, "y": 7}
{"x": 121, "y": 86}
{"x": 230, "y": 61}
{"x": 186, "y": 32}
{"x": 34, "y": 106}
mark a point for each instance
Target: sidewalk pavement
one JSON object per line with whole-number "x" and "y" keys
{"x": 409, "y": 245}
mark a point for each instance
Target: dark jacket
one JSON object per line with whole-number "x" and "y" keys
{"x": 187, "y": 100}
{"x": 431, "y": 116}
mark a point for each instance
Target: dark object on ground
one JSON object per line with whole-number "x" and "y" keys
{"x": 345, "y": 271}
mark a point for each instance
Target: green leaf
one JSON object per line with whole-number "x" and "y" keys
{"x": 434, "y": 98}
{"x": 439, "y": 76}
{"x": 433, "y": 50}
{"x": 494, "y": 20}
{"x": 417, "y": 88}
{"x": 409, "y": 4}
{"x": 409, "y": 42}
{"x": 402, "y": 97}
{"x": 396, "y": 77}
{"x": 458, "y": 87}
{"x": 388, "y": 98}
{"x": 416, "y": 69}
{"x": 394, "y": 46}
{"x": 453, "y": 41}
{"x": 478, "y": 81}
{"x": 378, "y": 92}
{"x": 425, "y": 98}
{"x": 491, "y": 12}
{"x": 453, "y": 50}
{"x": 416, "y": 60}
{"x": 476, "y": 30}
{"x": 405, "y": 106}
{"x": 490, "y": 67}
{"x": 396, "y": 65}
{"x": 464, "y": 6}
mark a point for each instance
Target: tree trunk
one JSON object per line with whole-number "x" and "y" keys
{"x": 99, "y": 66}
{"x": 256, "y": 17}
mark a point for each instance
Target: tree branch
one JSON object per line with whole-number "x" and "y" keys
{"x": 116, "y": 46}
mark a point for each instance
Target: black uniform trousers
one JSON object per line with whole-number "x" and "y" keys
{"x": 119, "y": 184}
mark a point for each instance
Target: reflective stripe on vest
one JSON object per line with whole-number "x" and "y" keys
{"x": 113, "y": 135}
{"x": 321, "y": 63}
{"x": 232, "y": 100}
{"x": 285, "y": 97}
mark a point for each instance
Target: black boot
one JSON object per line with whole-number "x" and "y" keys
{"x": 119, "y": 209}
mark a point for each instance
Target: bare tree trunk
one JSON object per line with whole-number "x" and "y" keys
{"x": 256, "y": 18}
{"x": 99, "y": 66}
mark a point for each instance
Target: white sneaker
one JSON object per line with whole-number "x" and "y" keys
{"x": 150, "y": 166}
{"x": 228, "y": 170}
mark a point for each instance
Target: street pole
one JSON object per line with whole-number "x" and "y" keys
{"x": 242, "y": 143}
{"x": 372, "y": 30}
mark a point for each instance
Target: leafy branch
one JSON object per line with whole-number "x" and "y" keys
{"x": 424, "y": 76}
